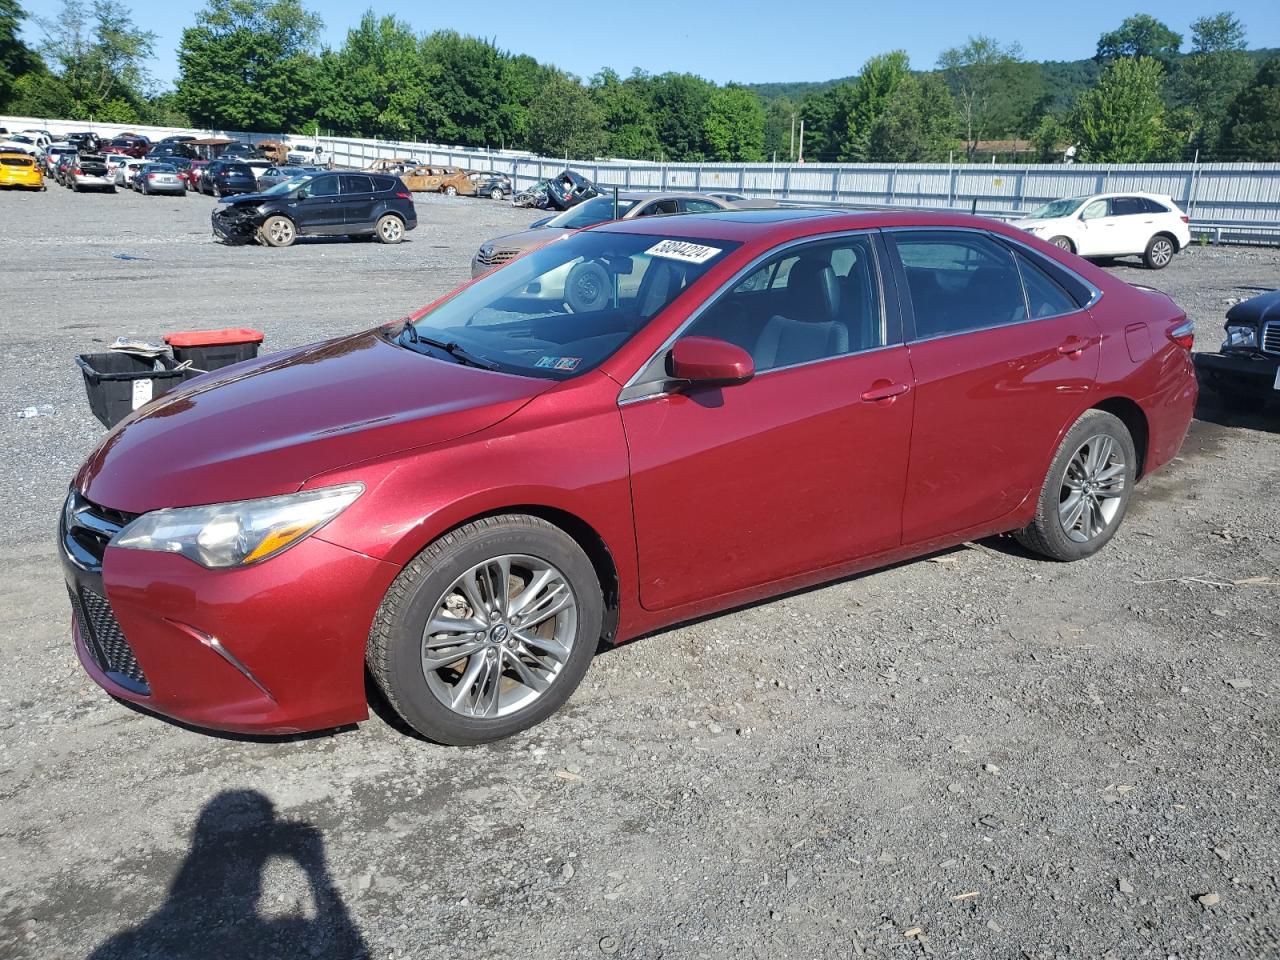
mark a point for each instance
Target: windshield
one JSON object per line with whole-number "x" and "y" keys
{"x": 564, "y": 308}
{"x": 1059, "y": 208}
{"x": 288, "y": 186}
{"x": 161, "y": 168}
{"x": 19, "y": 138}
{"x": 588, "y": 214}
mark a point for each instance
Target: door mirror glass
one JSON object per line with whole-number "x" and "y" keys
{"x": 707, "y": 362}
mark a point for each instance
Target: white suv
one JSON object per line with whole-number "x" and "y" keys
{"x": 1113, "y": 225}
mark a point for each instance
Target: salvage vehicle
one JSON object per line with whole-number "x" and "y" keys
{"x": 1245, "y": 373}
{"x": 631, "y": 204}
{"x": 123, "y": 173}
{"x": 226, "y": 178}
{"x": 396, "y": 166}
{"x": 273, "y": 150}
{"x": 303, "y": 154}
{"x": 89, "y": 172}
{"x": 319, "y": 204}
{"x": 1113, "y": 225}
{"x": 491, "y": 184}
{"x": 468, "y": 501}
{"x": 274, "y": 175}
{"x": 565, "y": 191}
{"x": 447, "y": 180}
{"x": 19, "y": 169}
{"x": 161, "y": 178}
{"x": 135, "y": 147}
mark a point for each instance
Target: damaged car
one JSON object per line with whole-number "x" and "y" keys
{"x": 1245, "y": 373}
{"x": 559, "y": 193}
{"x": 318, "y": 204}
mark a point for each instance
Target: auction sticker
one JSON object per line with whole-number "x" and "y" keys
{"x": 682, "y": 250}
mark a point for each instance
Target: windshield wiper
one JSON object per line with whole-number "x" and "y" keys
{"x": 451, "y": 347}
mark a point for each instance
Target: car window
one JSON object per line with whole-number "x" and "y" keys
{"x": 1045, "y": 297}
{"x": 809, "y": 303}
{"x": 356, "y": 183}
{"x": 1098, "y": 208}
{"x": 658, "y": 207}
{"x": 1153, "y": 206}
{"x": 323, "y": 187}
{"x": 699, "y": 206}
{"x": 959, "y": 282}
{"x": 1126, "y": 206}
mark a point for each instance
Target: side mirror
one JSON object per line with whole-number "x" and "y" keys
{"x": 540, "y": 223}
{"x": 707, "y": 362}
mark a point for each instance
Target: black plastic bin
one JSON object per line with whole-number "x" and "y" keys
{"x": 214, "y": 349}
{"x": 118, "y": 383}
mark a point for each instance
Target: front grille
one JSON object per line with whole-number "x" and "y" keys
{"x": 105, "y": 640}
{"x": 87, "y": 529}
{"x": 492, "y": 258}
{"x": 1271, "y": 337}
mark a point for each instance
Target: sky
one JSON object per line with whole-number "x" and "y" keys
{"x": 749, "y": 41}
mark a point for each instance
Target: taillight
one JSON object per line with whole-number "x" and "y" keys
{"x": 151, "y": 176}
{"x": 404, "y": 196}
{"x": 76, "y": 172}
{"x": 1184, "y": 334}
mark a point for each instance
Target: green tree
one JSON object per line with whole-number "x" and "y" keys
{"x": 467, "y": 87}
{"x": 1122, "y": 119}
{"x": 378, "y": 82}
{"x": 1252, "y": 127}
{"x": 97, "y": 64}
{"x": 250, "y": 65}
{"x": 1212, "y": 75}
{"x": 1049, "y": 138}
{"x": 979, "y": 74}
{"x": 680, "y": 102}
{"x": 627, "y": 114}
{"x": 779, "y": 114}
{"x": 825, "y": 116}
{"x": 869, "y": 101}
{"x": 521, "y": 77}
{"x": 16, "y": 58}
{"x": 734, "y": 125}
{"x": 1141, "y": 35}
{"x": 565, "y": 120}
{"x": 919, "y": 123}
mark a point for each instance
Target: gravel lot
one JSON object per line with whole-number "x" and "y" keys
{"x": 975, "y": 755}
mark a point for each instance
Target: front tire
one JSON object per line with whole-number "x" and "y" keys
{"x": 488, "y": 631}
{"x": 1086, "y": 492}
{"x": 450, "y": 191}
{"x": 1064, "y": 243}
{"x": 278, "y": 231}
{"x": 1159, "y": 252}
{"x": 389, "y": 229}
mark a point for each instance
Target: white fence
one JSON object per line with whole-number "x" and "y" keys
{"x": 1226, "y": 200}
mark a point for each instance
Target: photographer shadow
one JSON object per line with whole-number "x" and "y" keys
{"x": 214, "y": 907}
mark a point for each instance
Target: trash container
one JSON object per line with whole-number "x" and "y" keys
{"x": 119, "y": 383}
{"x": 212, "y": 349}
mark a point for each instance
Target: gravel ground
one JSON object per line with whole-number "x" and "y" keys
{"x": 975, "y": 755}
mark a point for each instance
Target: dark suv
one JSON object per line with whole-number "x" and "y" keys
{"x": 225, "y": 178}
{"x": 319, "y": 203}
{"x": 1246, "y": 371}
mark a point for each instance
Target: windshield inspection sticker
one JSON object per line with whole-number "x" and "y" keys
{"x": 558, "y": 363}
{"x": 683, "y": 251}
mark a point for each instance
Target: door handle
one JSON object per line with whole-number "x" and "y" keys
{"x": 884, "y": 393}
{"x": 1072, "y": 347}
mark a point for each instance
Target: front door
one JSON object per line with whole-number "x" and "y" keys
{"x": 798, "y": 469}
{"x": 1000, "y": 371}
{"x": 319, "y": 210}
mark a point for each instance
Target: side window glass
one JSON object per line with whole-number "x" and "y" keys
{"x": 1094, "y": 210}
{"x": 796, "y": 308}
{"x": 1045, "y": 297}
{"x": 959, "y": 282}
{"x": 1126, "y": 207}
{"x": 700, "y": 206}
{"x": 354, "y": 183}
{"x": 323, "y": 187}
{"x": 1153, "y": 206}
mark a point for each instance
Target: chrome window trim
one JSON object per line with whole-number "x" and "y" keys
{"x": 737, "y": 278}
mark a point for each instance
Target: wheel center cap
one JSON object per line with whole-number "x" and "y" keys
{"x": 499, "y": 633}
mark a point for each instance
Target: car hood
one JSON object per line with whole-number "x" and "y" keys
{"x": 527, "y": 239}
{"x": 246, "y": 199}
{"x": 266, "y": 426}
{"x": 1028, "y": 222}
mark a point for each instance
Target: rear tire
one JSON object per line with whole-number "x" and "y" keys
{"x": 1086, "y": 492}
{"x": 389, "y": 229}
{"x": 1159, "y": 252}
{"x": 552, "y": 654}
{"x": 496, "y": 193}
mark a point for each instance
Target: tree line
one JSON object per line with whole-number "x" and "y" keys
{"x": 258, "y": 65}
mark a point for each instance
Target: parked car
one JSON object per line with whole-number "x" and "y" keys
{"x": 89, "y": 172}
{"x": 161, "y": 178}
{"x": 55, "y": 152}
{"x": 225, "y": 178}
{"x": 62, "y": 168}
{"x": 761, "y": 402}
{"x": 114, "y": 162}
{"x": 631, "y": 205}
{"x": 1245, "y": 372}
{"x": 130, "y": 146}
{"x": 259, "y": 167}
{"x": 274, "y": 175}
{"x": 22, "y": 143}
{"x": 124, "y": 172}
{"x": 396, "y": 166}
{"x": 491, "y": 184}
{"x": 194, "y": 174}
{"x": 303, "y": 154}
{"x": 273, "y": 150}
{"x": 18, "y": 169}
{"x": 329, "y": 204}
{"x": 1114, "y": 225}
{"x": 560, "y": 193}
{"x": 87, "y": 141}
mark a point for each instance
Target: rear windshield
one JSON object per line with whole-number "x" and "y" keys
{"x": 162, "y": 168}
{"x": 596, "y": 210}
{"x": 16, "y": 161}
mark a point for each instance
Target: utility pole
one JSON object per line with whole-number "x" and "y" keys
{"x": 800, "y": 155}
{"x": 791, "y": 150}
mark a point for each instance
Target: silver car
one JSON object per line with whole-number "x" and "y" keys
{"x": 631, "y": 205}
{"x": 161, "y": 178}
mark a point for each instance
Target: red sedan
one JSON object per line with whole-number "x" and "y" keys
{"x": 646, "y": 422}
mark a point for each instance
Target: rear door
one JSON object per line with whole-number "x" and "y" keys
{"x": 998, "y": 375}
{"x": 358, "y": 200}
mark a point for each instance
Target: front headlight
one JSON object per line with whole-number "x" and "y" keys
{"x": 239, "y": 533}
{"x": 1241, "y": 337}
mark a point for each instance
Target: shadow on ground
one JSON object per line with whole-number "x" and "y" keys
{"x": 215, "y": 906}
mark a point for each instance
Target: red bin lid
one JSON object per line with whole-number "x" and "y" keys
{"x": 213, "y": 338}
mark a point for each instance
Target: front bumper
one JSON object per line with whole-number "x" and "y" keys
{"x": 233, "y": 225}
{"x": 1252, "y": 373}
{"x": 274, "y": 648}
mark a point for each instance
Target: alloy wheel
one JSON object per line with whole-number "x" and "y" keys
{"x": 1161, "y": 252}
{"x": 281, "y": 231}
{"x": 1093, "y": 488}
{"x": 391, "y": 230}
{"x": 1062, "y": 243}
{"x": 500, "y": 636}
